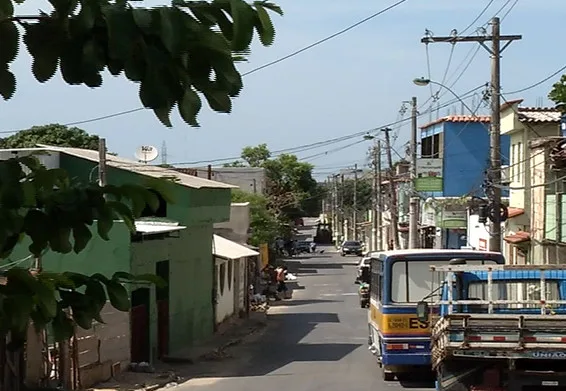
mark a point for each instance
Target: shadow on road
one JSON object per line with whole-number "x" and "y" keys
{"x": 293, "y": 303}
{"x": 281, "y": 345}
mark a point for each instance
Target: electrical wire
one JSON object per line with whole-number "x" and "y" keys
{"x": 460, "y": 33}
{"x": 305, "y": 147}
{"x": 538, "y": 83}
{"x": 281, "y": 59}
{"x": 509, "y": 10}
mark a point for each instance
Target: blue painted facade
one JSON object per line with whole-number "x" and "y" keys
{"x": 465, "y": 150}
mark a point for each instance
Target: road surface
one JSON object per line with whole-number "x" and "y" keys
{"x": 315, "y": 342}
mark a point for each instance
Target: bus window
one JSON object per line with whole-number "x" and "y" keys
{"x": 376, "y": 280}
{"x": 413, "y": 280}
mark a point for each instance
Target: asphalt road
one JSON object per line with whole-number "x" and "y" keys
{"x": 317, "y": 341}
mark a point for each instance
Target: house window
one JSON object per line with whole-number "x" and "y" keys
{"x": 161, "y": 210}
{"x": 431, "y": 147}
{"x": 513, "y": 165}
{"x": 520, "y": 163}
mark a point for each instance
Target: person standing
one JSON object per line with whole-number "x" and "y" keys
{"x": 281, "y": 276}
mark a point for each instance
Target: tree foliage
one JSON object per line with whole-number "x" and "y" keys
{"x": 363, "y": 194}
{"x": 264, "y": 224}
{"x": 52, "y": 134}
{"x": 54, "y": 214}
{"x": 175, "y": 53}
{"x": 558, "y": 93}
{"x": 291, "y": 189}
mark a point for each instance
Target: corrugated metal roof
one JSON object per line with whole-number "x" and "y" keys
{"x": 459, "y": 118}
{"x": 142, "y": 169}
{"x": 148, "y": 227}
{"x": 225, "y": 248}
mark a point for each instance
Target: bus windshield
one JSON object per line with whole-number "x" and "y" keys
{"x": 412, "y": 280}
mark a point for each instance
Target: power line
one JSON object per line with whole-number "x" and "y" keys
{"x": 328, "y": 38}
{"x": 477, "y": 18}
{"x": 538, "y": 83}
{"x": 319, "y": 144}
{"x": 281, "y": 59}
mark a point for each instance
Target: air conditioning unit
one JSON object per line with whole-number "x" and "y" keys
{"x": 505, "y": 175}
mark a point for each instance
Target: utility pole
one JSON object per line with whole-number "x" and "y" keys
{"x": 335, "y": 231}
{"x": 355, "y": 212}
{"x": 392, "y": 193}
{"x": 494, "y": 175}
{"x": 341, "y": 231}
{"x": 376, "y": 243}
{"x": 414, "y": 201}
{"x": 102, "y": 162}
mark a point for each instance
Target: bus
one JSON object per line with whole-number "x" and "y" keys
{"x": 399, "y": 280}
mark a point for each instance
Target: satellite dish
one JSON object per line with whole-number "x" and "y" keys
{"x": 146, "y": 153}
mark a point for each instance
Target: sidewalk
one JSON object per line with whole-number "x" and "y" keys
{"x": 193, "y": 361}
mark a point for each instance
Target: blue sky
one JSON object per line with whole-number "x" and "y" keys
{"x": 352, "y": 83}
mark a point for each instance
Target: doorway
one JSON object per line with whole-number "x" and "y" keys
{"x": 139, "y": 318}
{"x": 162, "y": 301}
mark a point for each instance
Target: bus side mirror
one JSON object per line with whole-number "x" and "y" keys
{"x": 422, "y": 311}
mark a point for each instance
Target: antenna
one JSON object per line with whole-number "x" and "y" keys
{"x": 164, "y": 152}
{"x": 146, "y": 153}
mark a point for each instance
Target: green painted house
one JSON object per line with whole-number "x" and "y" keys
{"x": 175, "y": 242}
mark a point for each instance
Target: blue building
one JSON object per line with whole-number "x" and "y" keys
{"x": 462, "y": 142}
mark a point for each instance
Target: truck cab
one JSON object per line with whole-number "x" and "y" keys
{"x": 499, "y": 327}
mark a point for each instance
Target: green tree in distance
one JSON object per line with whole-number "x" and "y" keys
{"x": 558, "y": 93}
{"x": 174, "y": 53}
{"x": 52, "y": 134}
{"x": 264, "y": 224}
{"x": 291, "y": 189}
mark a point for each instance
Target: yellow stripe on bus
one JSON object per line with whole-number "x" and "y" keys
{"x": 397, "y": 323}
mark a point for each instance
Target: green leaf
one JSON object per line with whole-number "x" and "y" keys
{"x": 122, "y": 31}
{"x": 81, "y": 236}
{"x": 124, "y": 212}
{"x": 62, "y": 326}
{"x": 244, "y": 19}
{"x": 6, "y": 9}
{"x": 118, "y": 295}
{"x": 163, "y": 115}
{"x": 7, "y": 84}
{"x": 10, "y": 40}
{"x": 46, "y": 299}
{"x": 59, "y": 280}
{"x": 218, "y": 100}
{"x": 123, "y": 276}
{"x": 78, "y": 279}
{"x": 45, "y": 52}
{"x": 83, "y": 318}
{"x": 105, "y": 221}
{"x": 95, "y": 290}
{"x": 59, "y": 239}
{"x": 264, "y": 26}
{"x": 151, "y": 199}
{"x": 143, "y": 19}
{"x": 189, "y": 107}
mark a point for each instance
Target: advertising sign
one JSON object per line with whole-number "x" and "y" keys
{"x": 429, "y": 175}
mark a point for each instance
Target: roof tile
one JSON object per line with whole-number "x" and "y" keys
{"x": 459, "y": 118}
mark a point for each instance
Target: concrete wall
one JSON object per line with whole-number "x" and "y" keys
{"x": 237, "y": 228}
{"x": 190, "y": 288}
{"x": 225, "y": 280}
{"x": 466, "y": 157}
{"x": 248, "y": 179}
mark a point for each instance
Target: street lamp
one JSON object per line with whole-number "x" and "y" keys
{"x": 423, "y": 82}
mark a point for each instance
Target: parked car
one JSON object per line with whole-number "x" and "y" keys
{"x": 351, "y": 247}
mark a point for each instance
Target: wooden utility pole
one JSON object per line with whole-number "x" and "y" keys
{"x": 355, "y": 206}
{"x": 102, "y": 162}
{"x": 376, "y": 244}
{"x": 392, "y": 193}
{"x": 342, "y": 207}
{"x": 414, "y": 201}
{"x": 494, "y": 175}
